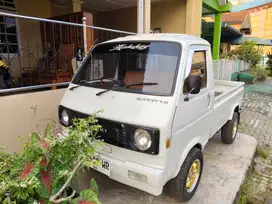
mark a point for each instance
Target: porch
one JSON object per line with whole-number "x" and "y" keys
{"x": 44, "y": 43}
{"x": 35, "y": 40}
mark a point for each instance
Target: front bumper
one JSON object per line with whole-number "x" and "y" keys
{"x": 119, "y": 171}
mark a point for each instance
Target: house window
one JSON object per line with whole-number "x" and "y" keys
{"x": 8, "y": 5}
{"x": 8, "y": 30}
{"x": 8, "y": 35}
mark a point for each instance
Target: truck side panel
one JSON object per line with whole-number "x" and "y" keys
{"x": 224, "y": 107}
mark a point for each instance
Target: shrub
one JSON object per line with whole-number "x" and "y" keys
{"x": 260, "y": 72}
{"x": 43, "y": 171}
{"x": 269, "y": 64}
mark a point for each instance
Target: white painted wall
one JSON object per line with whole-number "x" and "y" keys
{"x": 18, "y": 119}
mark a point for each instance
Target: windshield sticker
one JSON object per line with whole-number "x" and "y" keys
{"x": 131, "y": 47}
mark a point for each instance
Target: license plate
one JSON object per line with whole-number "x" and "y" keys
{"x": 103, "y": 167}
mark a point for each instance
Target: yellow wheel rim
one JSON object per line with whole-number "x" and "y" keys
{"x": 193, "y": 176}
{"x": 234, "y": 129}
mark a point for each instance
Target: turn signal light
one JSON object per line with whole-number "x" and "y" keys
{"x": 168, "y": 143}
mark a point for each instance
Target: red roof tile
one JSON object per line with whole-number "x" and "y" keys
{"x": 235, "y": 17}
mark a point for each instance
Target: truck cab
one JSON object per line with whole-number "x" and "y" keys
{"x": 160, "y": 106}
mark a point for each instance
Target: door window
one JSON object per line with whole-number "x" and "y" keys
{"x": 198, "y": 67}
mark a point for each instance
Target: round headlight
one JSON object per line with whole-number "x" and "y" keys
{"x": 142, "y": 139}
{"x": 65, "y": 117}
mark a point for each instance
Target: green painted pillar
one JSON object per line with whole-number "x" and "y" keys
{"x": 217, "y": 36}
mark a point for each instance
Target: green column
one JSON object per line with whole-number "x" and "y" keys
{"x": 217, "y": 36}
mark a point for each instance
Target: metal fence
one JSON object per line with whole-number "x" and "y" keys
{"x": 41, "y": 52}
{"x": 223, "y": 69}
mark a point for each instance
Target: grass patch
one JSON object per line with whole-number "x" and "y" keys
{"x": 253, "y": 179}
{"x": 244, "y": 189}
{"x": 262, "y": 152}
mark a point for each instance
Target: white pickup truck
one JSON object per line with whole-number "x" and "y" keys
{"x": 161, "y": 106}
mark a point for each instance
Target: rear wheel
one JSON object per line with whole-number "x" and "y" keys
{"x": 184, "y": 185}
{"x": 230, "y": 129}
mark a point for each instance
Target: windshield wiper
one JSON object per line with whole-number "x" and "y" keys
{"x": 74, "y": 87}
{"x": 129, "y": 85}
{"x": 142, "y": 84}
{"x": 101, "y": 79}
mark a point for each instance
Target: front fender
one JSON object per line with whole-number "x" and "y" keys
{"x": 192, "y": 143}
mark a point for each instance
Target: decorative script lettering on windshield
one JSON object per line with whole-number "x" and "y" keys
{"x": 131, "y": 46}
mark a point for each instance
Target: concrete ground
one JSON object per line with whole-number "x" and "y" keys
{"x": 224, "y": 170}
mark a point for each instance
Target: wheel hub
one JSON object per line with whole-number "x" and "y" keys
{"x": 234, "y": 129}
{"x": 193, "y": 176}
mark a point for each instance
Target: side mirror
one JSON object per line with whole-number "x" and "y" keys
{"x": 193, "y": 85}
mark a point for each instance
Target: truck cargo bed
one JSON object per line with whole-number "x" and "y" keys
{"x": 224, "y": 88}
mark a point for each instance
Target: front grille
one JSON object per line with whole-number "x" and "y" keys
{"x": 119, "y": 134}
{"x": 114, "y": 133}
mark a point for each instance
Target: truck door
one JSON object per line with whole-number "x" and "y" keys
{"x": 192, "y": 117}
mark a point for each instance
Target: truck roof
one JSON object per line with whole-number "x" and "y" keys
{"x": 181, "y": 38}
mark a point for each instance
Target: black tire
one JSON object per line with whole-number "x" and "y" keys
{"x": 227, "y": 135}
{"x": 176, "y": 187}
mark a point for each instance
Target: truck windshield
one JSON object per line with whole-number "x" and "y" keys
{"x": 150, "y": 67}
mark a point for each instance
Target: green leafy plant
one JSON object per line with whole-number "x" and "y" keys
{"x": 245, "y": 187}
{"x": 269, "y": 64}
{"x": 260, "y": 72}
{"x": 248, "y": 52}
{"x": 44, "y": 170}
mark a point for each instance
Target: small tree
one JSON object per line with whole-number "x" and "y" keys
{"x": 248, "y": 52}
{"x": 43, "y": 171}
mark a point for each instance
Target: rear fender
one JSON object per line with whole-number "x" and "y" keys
{"x": 235, "y": 108}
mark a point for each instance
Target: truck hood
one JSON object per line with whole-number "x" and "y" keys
{"x": 131, "y": 108}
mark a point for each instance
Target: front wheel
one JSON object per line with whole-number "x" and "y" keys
{"x": 230, "y": 129}
{"x": 184, "y": 185}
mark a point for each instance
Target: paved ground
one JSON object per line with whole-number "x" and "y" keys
{"x": 256, "y": 119}
{"x": 224, "y": 171}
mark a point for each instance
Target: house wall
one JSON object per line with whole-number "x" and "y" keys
{"x": 59, "y": 10}
{"x": 168, "y": 15}
{"x": 261, "y": 22}
{"x": 18, "y": 118}
{"x": 121, "y": 19}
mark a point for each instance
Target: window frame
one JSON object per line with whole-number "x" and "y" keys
{"x": 193, "y": 50}
{"x": 18, "y": 36}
